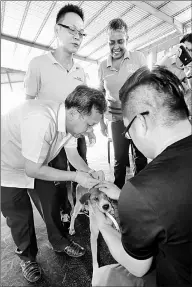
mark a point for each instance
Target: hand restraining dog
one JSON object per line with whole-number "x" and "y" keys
{"x": 88, "y": 198}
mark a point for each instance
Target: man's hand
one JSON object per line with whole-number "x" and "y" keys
{"x": 92, "y": 138}
{"x": 85, "y": 180}
{"x": 104, "y": 129}
{"x": 110, "y": 189}
{"x": 98, "y": 175}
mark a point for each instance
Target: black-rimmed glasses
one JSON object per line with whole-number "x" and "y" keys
{"x": 72, "y": 30}
{"x": 126, "y": 131}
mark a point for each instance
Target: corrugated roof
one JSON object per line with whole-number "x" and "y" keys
{"x": 25, "y": 23}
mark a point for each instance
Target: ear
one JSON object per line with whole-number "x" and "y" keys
{"x": 85, "y": 197}
{"x": 73, "y": 113}
{"x": 142, "y": 126}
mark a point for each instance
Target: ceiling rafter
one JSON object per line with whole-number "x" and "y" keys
{"x": 98, "y": 13}
{"x": 103, "y": 30}
{"x": 80, "y": 3}
{"x": 9, "y": 81}
{"x": 43, "y": 23}
{"x": 2, "y": 13}
{"x": 159, "y": 14}
{"x": 4, "y": 70}
{"x": 41, "y": 47}
{"x": 162, "y": 43}
{"x": 22, "y": 22}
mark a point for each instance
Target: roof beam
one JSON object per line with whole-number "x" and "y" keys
{"x": 44, "y": 22}
{"x": 164, "y": 43}
{"x": 9, "y": 81}
{"x": 22, "y": 21}
{"x": 42, "y": 47}
{"x": 4, "y": 70}
{"x": 157, "y": 13}
{"x": 3, "y": 3}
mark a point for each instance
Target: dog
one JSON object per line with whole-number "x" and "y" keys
{"x": 86, "y": 199}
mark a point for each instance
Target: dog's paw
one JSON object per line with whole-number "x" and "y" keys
{"x": 71, "y": 231}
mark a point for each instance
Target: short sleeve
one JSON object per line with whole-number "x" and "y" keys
{"x": 32, "y": 81}
{"x": 36, "y": 137}
{"x": 71, "y": 142}
{"x": 139, "y": 224}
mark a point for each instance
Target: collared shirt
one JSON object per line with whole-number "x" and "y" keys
{"x": 47, "y": 79}
{"x": 111, "y": 80}
{"x": 35, "y": 130}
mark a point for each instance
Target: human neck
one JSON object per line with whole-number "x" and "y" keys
{"x": 64, "y": 58}
{"x": 165, "y": 137}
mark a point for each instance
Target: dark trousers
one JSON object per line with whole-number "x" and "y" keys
{"x": 17, "y": 209}
{"x": 121, "y": 152}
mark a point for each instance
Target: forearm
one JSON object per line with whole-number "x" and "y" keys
{"x": 113, "y": 240}
{"x": 51, "y": 174}
{"x": 80, "y": 164}
{"x": 76, "y": 160}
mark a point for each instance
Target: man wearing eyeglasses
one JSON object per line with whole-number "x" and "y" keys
{"x": 54, "y": 76}
{"x": 155, "y": 206}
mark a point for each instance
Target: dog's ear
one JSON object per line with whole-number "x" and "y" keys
{"x": 84, "y": 198}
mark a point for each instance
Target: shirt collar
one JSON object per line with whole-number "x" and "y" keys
{"x": 62, "y": 118}
{"x": 109, "y": 59}
{"x": 54, "y": 61}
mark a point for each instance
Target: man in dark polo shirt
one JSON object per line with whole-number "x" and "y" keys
{"x": 155, "y": 206}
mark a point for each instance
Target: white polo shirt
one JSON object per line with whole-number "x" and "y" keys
{"x": 35, "y": 130}
{"x": 47, "y": 79}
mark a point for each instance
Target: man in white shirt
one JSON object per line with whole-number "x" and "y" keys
{"x": 32, "y": 135}
{"x": 55, "y": 75}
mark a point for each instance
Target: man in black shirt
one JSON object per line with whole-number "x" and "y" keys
{"x": 155, "y": 206}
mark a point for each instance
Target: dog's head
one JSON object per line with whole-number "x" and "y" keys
{"x": 97, "y": 197}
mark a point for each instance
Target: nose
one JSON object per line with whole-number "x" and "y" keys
{"x": 105, "y": 206}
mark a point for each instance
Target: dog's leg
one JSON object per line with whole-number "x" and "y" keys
{"x": 76, "y": 211}
{"x": 93, "y": 240}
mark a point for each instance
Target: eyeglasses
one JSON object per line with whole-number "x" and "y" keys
{"x": 72, "y": 30}
{"x": 126, "y": 131}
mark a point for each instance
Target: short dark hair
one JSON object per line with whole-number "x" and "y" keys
{"x": 117, "y": 24}
{"x": 67, "y": 9}
{"x": 187, "y": 38}
{"x": 84, "y": 99}
{"x": 163, "y": 94}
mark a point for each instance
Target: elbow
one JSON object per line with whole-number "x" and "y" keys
{"x": 30, "y": 172}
